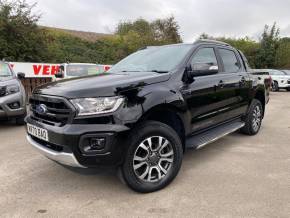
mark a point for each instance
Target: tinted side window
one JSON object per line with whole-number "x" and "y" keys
{"x": 231, "y": 63}
{"x": 205, "y": 57}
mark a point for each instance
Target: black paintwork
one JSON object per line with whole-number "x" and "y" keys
{"x": 200, "y": 102}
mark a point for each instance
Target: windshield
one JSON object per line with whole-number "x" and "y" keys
{"x": 82, "y": 70}
{"x": 5, "y": 70}
{"x": 287, "y": 72}
{"x": 277, "y": 73}
{"x": 160, "y": 59}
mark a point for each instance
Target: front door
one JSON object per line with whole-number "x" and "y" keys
{"x": 200, "y": 95}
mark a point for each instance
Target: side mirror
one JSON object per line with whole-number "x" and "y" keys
{"x": 203, "y": 69}
{"x": 199, "y": 69}
{"x": 59, "y": 74}
{"x": 21, "y": 75}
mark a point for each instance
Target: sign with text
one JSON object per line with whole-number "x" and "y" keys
{"x": 33, "y": 70}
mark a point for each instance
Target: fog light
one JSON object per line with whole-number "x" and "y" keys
{"x": 97, "y": 143}
{"x": 14, "y": 105}
{"x": 90, "y": 145}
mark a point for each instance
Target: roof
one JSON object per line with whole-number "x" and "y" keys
{"x": 209, "y": 41}
{"x": 199, "y": 41}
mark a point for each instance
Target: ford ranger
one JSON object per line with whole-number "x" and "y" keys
{"x": 147, "y": 110}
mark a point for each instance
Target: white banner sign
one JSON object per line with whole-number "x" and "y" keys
{"x": 33, "y": 70}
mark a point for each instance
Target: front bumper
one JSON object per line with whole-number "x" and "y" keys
{"x": 6, "y": 111}
{"x": 60, "y": 157}
{"x": 284, "y": 84}
{"x": 64, "y": 143}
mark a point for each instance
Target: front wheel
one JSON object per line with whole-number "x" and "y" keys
{"x": 253, "y": 119}
{"x": 153, "y": 158}
{"x": 275, "y": 86}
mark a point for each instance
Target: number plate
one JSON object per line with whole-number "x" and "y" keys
{"x": 37, "y": 132}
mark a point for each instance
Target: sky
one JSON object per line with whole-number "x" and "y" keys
{"x": 230, "y": 18}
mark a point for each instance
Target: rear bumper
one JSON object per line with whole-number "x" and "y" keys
{"x": 60, "y": 157}
{"x": 6, "y": 111}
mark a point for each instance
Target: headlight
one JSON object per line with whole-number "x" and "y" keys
{"x": 12, "y": 89}
{"x": 92, "y": 106}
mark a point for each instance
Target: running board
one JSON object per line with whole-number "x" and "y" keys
{"x": 204, "y": 138}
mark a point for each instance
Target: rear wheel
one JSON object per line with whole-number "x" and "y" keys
{"x": 253, "y": 119}
{"x": 154, "y": 157}
{"x": 288, "y": 89}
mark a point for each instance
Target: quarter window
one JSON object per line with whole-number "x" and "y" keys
{"x": 230, "y": 61}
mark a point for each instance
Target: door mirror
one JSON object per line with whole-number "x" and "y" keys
{"x": 21, "y": 75}
{"x": 59, "y": 74}
{"x": 199, "y": 70}
{"x": 203, "y": 69}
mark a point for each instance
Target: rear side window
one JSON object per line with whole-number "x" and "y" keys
{"x": 230, "y": 61}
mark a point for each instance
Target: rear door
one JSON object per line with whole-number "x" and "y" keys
{"x": 233, "y": 90}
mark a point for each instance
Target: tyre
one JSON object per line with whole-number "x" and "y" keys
{"x": 275, "y": 86}
{"x": 288, "y": 89}
{"x": 253, "y": 119}
{"x": 153, "y": 158}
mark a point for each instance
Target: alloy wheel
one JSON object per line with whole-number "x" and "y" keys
{"x": 153, "y": 159}
{"x": 257, "y": 118}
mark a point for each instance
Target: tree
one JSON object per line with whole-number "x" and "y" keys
{"x": 269, "y": 44}
{"x": 141, "y": 33}
{"x": 166, "y": 30}
{"x": 20, "y": 38}
{"x": 283, "y": 54}
{"x": 248, "y": 46}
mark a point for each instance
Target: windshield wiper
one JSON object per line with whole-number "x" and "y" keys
{"x": 159, "y": 71}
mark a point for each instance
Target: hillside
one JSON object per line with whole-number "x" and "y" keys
{"x": 88, "y": 36}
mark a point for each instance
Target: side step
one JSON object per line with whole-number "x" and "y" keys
{"x": 204, "y": 138}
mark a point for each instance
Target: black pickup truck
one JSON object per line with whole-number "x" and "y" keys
{"x": 147, "y": 110}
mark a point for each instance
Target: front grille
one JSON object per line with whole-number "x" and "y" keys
{"x": 288, "y": 81}
{"x": 2, "y": 91}
{"x": 59, "y": 112}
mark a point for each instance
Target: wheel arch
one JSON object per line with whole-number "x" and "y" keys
{"x": 260, "y": 95}
{"x": 169, "y": 115}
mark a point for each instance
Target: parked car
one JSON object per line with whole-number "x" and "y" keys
{"x": 146, "y": 110}
{"x": 73, "y": 70}
{"x": 12, "y": 95}
{"x": 281, "y": 80}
